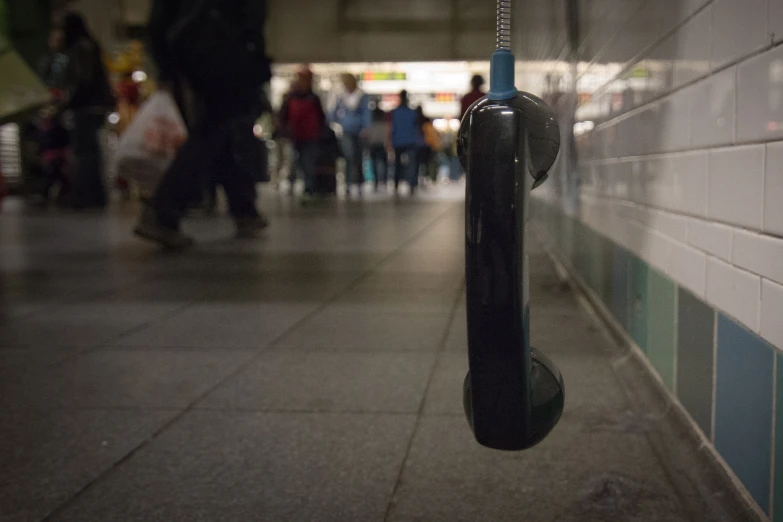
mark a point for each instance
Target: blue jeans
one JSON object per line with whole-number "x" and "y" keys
{"x": 380, "y": 162}
{"x": 352, "y": 150}
{"x": 305, "y": 161}
{"x": 410, "y": 172}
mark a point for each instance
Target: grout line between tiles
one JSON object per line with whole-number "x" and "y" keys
{"x": 714, "y": 374}
{"x": 422, "y": 404}
{"x": 774, "y": 434}
{"x": 242, "y": 367}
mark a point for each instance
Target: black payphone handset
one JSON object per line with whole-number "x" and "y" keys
{"x": 508, "y": 140}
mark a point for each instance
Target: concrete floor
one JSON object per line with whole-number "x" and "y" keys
{"x": 312, "y": 375}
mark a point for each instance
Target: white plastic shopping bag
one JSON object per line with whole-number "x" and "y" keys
{"x": 149, "y": 144}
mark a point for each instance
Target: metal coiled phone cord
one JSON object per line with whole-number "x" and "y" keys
{"x": 504, "y": 25}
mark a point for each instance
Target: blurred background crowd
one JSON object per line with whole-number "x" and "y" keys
{"x": 311, "y": 131}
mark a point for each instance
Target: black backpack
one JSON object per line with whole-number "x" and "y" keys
{"x": 219, "y": 46}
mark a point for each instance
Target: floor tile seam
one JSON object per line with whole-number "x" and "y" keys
{"x": 130, "y": 331}
{"x": 363, "y": 276}
{"x": 241, "y": 368}
{"x": 422, "y": 404}
{"x": 152, "y": 347}
{"x": 67, "y": 357}
{"x": 87, "y": 298}
{"x": 267, "y": 349}
{"x": 212, "y": 409}
{"x": 176, "y": 414}
{"x": 304, "y": 411}
{"x": 56, "y": 409}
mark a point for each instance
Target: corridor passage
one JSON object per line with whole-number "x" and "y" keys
{"x": 313, "y": 375}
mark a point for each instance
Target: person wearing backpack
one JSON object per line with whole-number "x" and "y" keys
{"x": 217, "y": 48}
{"x": 405, "y": 135}
{"x": 302, "y": 118}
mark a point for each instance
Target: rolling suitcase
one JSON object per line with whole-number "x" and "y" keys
{"x": 326, "y": 162}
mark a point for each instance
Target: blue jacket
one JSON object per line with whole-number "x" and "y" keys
{"x": 353, "y": 121}
{"x": 405, "y": 127}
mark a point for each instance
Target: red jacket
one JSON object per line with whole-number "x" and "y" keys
{"x": 469, "y": 99}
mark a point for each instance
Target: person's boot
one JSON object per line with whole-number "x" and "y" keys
{"x": 149, "y": 227}
{"x": 251, "y": 227}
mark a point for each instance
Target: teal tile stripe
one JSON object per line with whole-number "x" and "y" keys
{"x": 661, "y": 321}
{"x": 679, "y": 346}
{"x": 743, "y": 406}
{"x": 695, "y": 358}
{"x": 777, "y": 493}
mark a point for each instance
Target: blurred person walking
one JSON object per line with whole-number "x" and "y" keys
{"x": 302, "y": 118}
{"x": 352, "y": 113}
{"x": 474, "y": 95}
{"x": 53, "y": 137}
{"x": 88, "y": 99}
{"x": 377, "y": 134}
{"x": 218, "y": 48}
{"x": 429, "y": 144}
{"x": 404, "y": 136}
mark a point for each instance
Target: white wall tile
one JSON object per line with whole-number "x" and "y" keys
{"x": 619, "y": 181}
{"x": 668, "y": 224}
{"x": 762, "y": 255}
{"x": 674, "y": 124}
{"x": 760, "y": 97}
{"x": 735, "y": 291}
{"x": 635, "y": 172}
{"x": 621, "y": 232}
{"x": 712, "y": 110}
{"x": 693, "y": 48}
{"x": 772, "y": 312}
{"x": 688, "y": 267}
{"x": 739, "y": 27}
{"x": 658, "y": 183}
{"x": 689, "y": 172}
{"x": 773, "y": 189}
{"x": 657, "y": 250}
{"x": 660, "y": 64}
{"x": 736, "y": 179}
{"x": 712, "y": 238}
{"x": 637, "y": 238}
{"x": 625, "y": 209}
{"x": 775, "y": 20}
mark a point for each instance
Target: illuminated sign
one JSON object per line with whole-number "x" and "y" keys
{"x": 446, "y": 97}
{"x": 638, "y": 72}
{"x": 383, "y": 76}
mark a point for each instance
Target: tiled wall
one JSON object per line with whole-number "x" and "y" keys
{"x": 686, "y": 169}
{"x": 724, "y": 375}
{"x": 679, "y": 222}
